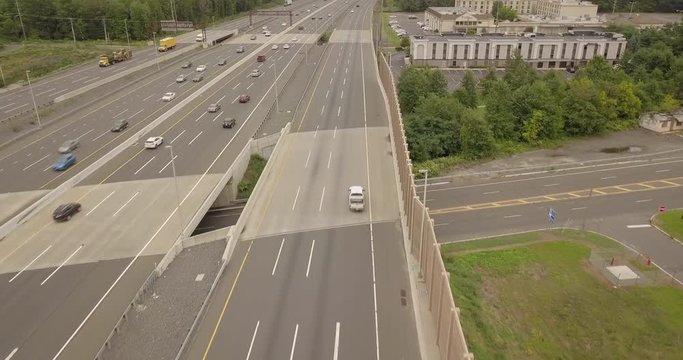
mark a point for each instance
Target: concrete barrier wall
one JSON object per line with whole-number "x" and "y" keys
{"x": 423, "y": 245}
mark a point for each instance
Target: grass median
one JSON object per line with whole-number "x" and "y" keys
{"x": 541, "y": 295}
{"x": 671, "y": 222}
{"x": 251, "y": 176}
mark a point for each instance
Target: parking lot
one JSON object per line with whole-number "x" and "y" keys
{"x": 409, "y": 25}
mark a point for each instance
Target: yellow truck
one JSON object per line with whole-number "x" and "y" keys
{"x": 116, "y": 56}
{"x": 166, "y": 44}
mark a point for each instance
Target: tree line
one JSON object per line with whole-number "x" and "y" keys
{"x": 53, "y": 19}
{"x": 528, "y": 108}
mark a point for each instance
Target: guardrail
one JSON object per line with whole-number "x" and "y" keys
{"x": 423, "y": 245}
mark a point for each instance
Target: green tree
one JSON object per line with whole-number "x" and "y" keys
{"x": 488, "y": 79}
{"x": 498, "y": 114}
{"x": 533, "y": 126}
{"x": 415, "y": 83}
{"x": 518, "y": 73}
{"x": 502, "y": 12}
{"x": 476, "y": 137}
{"x": 467, "y": 92}
{"x": 582, "y": 114}
{"x": 428, "y": 137}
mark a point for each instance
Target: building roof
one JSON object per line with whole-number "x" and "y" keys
{"x": 455, "y": 12}
{"x": 584, "y": 34}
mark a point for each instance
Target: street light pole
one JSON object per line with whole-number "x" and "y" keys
{"x": 35, "y": 107}
{"x": 20, "y": 21}
{"x": 3, "y": 77}
{"x": 177, "y": 192}
{"x": 156, "y": 52}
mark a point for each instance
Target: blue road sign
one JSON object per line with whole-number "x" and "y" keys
{"x": 552, "y": 215}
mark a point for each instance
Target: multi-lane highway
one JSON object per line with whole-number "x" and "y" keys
{"x": 133, "y": 209}
{"x": 616, "y": 198}
{"x": 310, "y": 279}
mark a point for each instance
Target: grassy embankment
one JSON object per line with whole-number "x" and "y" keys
{"x": 536, "y": 296}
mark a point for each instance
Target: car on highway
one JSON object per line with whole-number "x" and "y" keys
{"x": 168, "y": 96}
{"x": 64, "y": 162}
{"x": 356, "y": 198}
{"x": 294, "y": 39}
{"x": 329, "y": 15}
{"x": 222, "y": 62}
{"x": 68, "y": 146}
{"x": 285, "y": 46}
{"x": 351, "y": 10}
{"x": 283, "y": 24}
{"x": 187, "y": 65}
{"x": 301, "y": 27}
{"x": 264, "y": 28}
{"x": 274, "y": 47}
{"x": 180, "y": 78}
{"x": 201, "y": 68}
{"x": 308, "y": 10}
{"x": 240, "y": 49}
{"x": 119, "y": 125}
{"x": 214, "y": 108}
{"x": 153, "y": 142}
{"x": 229, "y": 123}
{"x": 243, "y": 99}
{"x": 357, "y": 5}
{"x": 253, "y": 37}
{"x": 267, "y": 33}
{"x": 198, "y": 78}
{"x": 261, "y": 58}
{"x": 64, "y": 212}
{"x": 255, "y": 73}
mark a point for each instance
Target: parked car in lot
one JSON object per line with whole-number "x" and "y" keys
{"x": 64, "y": 212}
{"x": 255, "y": 73}
{"x": 198, "y": 78}
{"x": 214, "y": 108}
{"x": 68, "y": 146}
{"x": 187, "y": 65}
{"x": 240, "y": 49}
{"x": 180, "y": 78}
{"x": 261, "y": 58}
{"x": 153, "y": 142}
{"x": 168, "y": 96}
{"x": 64, "y": 162}
{"x": 244, "y": 99}
{"x": 119, "y": 125}
{"x": 229, "y": 123}
{"x": 201, "y": 68}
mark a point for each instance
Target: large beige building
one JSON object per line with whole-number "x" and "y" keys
{"x": 450, "y": 19}
{"x": 554, "y": 8}
{"x": 543, "y": 52}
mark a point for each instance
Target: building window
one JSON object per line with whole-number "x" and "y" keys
{"x": 455, "y": 63}
{"x": 443, "y": 52}
{"x": 606, "y": 50}
{"x": 487, "y": 55}
{"x": 497, "y": 52}
{"x": 619, "y": 50}
{"x": 467, "y": 48}
{"x": 551, "y": 65}
{"x": 574, "y": 52}
{"x": 531, "y": 46}
{"x": 564, "y": 49}
{"x": 455, "y": 52}
{"x": 552, "y": 52}
{"x": 539, "y": 64}
{"x": 563, "y": 64}
{"x": 664, "y": 124}
{"x": 433, "y": 51}
{"x": 476, "y": 51}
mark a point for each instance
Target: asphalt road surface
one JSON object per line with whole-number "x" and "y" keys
{"x": 94, "y": 263}
{"x": 310, "y": 279}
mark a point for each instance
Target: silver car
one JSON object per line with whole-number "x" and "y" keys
{"x": 68, "y": 146}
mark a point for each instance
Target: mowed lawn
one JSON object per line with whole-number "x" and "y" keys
{"x": 536, "y": 296}
{"x": 671, "y": 222}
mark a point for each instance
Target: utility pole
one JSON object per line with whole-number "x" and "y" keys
{"x": 632, "y": 3}
{"x": 125, "y": 24}
{"x": 73, "y": 33}
{"x": 35, "y": 107}
{"x": 3, "y": 77}
{"x": 106, "y": 37}
{"x": 614, "y": 6}
{"x": 20, "y": 21}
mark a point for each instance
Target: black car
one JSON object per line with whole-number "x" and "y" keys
{"x": 229, "y": 123}
{"x": 119, "y": 125}
{"x": 65, "y": 211}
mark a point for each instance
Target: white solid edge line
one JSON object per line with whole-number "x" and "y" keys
{"x": 329, "y": 159}
{"x": 62, "y": 264}
{"x": 310, "y": 257}
{"x": 640, "y": 226}
{"x": 296, "y": 332}
{"x": 29, "y": 264}
{"x": 336, "y": 342}
{"x": 253, "y": 337}
{"x": 168, "y": 163}
{"x": 367, "y": 166}
{"x": 277, "y": 259}
{"x": 100, "y": 203}
{"x": 296, "y": 197}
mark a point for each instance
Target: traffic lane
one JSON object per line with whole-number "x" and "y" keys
{"x": 628, "y": 224}
{"x": 442, "y": 195}
{"x": 94, "y": 125}
{"x": 298, "y": 282}
{"x": 99, "y": 132}
{"x": 212, "y": 141}
{"x": 43, "y": 317}
{"x": 396, "y": 318}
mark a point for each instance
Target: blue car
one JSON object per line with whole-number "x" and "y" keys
{"x": 64, "y": 162}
